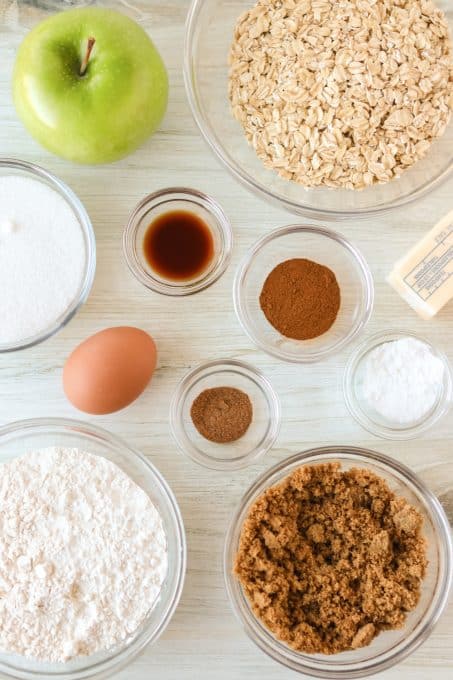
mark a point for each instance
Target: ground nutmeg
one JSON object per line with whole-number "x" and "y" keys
{"x": 300, "y": 298}
{"x": 222, "y": 414}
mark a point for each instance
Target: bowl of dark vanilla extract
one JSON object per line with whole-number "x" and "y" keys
{"x": 177, "y": 241}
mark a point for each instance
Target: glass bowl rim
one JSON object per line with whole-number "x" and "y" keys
{"x": 268, "y": 391}
{"x": 276, "y": 649}
{"x": 79, "y": 210}
{"x": 182, "y": 288}
{"x": 383, "y": 431}
{"x": 355, "y": 254}
{"x": 123, "y": 656}
{"x": 246, "y": 179}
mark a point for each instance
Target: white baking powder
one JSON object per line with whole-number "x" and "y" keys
{"x": 42, "y": 257}
{"x": 402, "y": 380}
{"x": 83, "y": 554}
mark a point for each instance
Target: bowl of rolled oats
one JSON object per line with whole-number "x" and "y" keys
{"x": 330, "y": 108}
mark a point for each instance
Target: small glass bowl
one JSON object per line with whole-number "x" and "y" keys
{"x": 14, "y": 166}
{"x": 167, "y": 200}
{"x": 22, "y": 436}
{"x": 389, "y": 647}
{"x": 325, "y": 247}
{"x": 367, "y": 417}
{"x": 263, "y": 429}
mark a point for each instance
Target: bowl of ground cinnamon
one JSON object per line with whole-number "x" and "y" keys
{"x": 225, "y": 414}
{"x": 338, "y": 562}
{"x": 302, "y": 293}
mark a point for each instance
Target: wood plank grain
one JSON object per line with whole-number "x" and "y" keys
{"x": 204, "y": 640}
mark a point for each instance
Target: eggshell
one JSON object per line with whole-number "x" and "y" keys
{"x": 109, "y": 370}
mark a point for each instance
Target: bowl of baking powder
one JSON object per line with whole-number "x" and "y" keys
{"x": 398, "y": 384}
{"x": 47, "y": 254}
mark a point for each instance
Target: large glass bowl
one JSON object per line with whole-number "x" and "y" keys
{"x": 209, "y": 33}
{"x": 20, "y": 437}
{"x": 389, "y": 647}
{"x": 13, "y": 166}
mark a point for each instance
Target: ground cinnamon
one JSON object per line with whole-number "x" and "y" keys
{"x": 300, "y": 298}
{"x": 222, "y": 414}
{"x": 329, "y": 558}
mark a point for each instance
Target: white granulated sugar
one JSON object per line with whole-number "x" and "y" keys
{"x": 83, "y": 555}
{"x": 42, "y": 257}
{"x": 402, "y": 380}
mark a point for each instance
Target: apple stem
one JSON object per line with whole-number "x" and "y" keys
{"x": 86, "y": 59}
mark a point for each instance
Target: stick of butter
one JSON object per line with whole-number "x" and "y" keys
{"x": 424, "y": 277}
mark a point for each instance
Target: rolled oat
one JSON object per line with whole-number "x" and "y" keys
{"x": 341, "y": 93}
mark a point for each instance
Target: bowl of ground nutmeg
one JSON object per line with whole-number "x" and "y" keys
{"x": 225, "y": 414}
{"x": 338, "y": 562}
{"x": 302, "y": 293}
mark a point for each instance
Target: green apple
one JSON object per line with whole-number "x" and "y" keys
{"x": 89, "y": 85}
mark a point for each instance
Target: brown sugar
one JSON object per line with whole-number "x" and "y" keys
{"x": 222, "y": 414}
{"x": 300, "y": 299}
{"x": 330, "y": 558}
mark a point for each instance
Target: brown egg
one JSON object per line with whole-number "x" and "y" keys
{"x": 109, "y": 370}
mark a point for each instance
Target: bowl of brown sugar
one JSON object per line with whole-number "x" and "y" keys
{"x": 302, "y": 293}
{"x": 338, "y": 562}
{"x": 225, "y": 414}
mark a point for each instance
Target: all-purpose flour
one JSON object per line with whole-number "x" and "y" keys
{"x": 82, "y": 554}
{"x": 402, "y": 379}
{"x": 42, "y": 257}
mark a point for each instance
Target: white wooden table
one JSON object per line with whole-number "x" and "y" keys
{"x": 203, "y": 640}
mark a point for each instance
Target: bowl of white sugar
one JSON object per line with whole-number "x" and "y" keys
{"x": 92, "y": 551}
{"x": 397, "y": 385}
{"x": 47, "y": 254}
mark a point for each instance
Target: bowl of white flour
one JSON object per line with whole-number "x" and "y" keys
{"x": 92, "y": 551}
{"x": 47, "y": 254}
